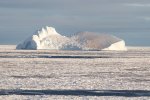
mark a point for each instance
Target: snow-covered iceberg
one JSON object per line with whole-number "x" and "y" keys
{"x": 48, "y": 38}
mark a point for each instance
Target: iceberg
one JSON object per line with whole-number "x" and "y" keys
{"x": 49, "y": 38}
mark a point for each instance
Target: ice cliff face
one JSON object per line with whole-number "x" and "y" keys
{"x": 48, "y": 38}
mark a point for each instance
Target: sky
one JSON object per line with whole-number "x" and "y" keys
{"x": 127, "y": 19}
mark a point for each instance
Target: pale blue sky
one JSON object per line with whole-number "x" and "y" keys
{"x": 127, "y": 19}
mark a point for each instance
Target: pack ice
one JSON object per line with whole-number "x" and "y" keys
{"x": 48, "y": 38}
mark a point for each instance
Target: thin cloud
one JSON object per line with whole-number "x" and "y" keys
{"x": 137, "y": 5}
{"x": 146, "y": 18}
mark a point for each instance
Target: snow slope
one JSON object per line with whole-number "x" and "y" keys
{"x": 95, "y": 41}
{"x": 48, "y": 38}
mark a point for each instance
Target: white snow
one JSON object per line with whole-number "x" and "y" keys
{"x": 48, "y": 38}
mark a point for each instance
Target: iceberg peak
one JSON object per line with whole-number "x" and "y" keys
{"x": 48, "y": 30}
